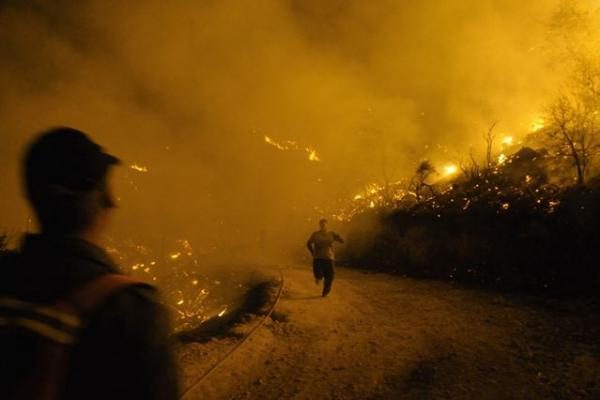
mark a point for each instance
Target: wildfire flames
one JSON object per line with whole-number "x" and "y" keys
{"x": 293, "y": 146}
{"x": 507, "y": 141}
{"x": 450, "y": 170}
{"x": 193, "y": 296}
{"x": 399, "y": 194}
{"x": 538, "y": 124}
{"x": 139, "y": 168}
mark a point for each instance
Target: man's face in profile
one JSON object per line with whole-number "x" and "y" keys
{"x": 103, "y": 218}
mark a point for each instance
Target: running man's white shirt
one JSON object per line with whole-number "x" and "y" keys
{"x": 322, "y": 243}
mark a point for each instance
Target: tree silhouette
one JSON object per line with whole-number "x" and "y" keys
{"x": 423, "y": 172}
{"x": 574, "y": 119}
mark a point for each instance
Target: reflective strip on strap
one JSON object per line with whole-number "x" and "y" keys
{"x": 62, "y": 321}
{"x": 18, "y": 305}
{"x": 46, "y": 330}
{"x": 56, "y": 325}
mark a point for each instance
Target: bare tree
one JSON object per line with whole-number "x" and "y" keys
{"x": 424, "y": 171}
{"x": 471, "y": 170}
{"x": 490, "y": 138}
{"x": 587, "y": 81}
{"x": 570, "y": 31}
{"x": 575, "y": 119}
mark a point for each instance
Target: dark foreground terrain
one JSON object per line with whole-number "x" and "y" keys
{"x": 384, "y": 337}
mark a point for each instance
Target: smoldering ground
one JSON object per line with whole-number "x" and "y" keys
{"x": 188, "y": 91}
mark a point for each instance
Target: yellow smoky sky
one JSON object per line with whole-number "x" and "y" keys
{"x": 188, "y": 90}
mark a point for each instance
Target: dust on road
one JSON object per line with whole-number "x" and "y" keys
{"x": 383, "y": 337}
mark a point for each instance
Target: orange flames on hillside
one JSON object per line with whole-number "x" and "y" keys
{"x": 293, "y": 146}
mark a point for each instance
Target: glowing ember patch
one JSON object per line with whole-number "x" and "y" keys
{"x": 138, "y": 168}
{"x": 450, "y": 170}
{"x": 187, "y": 247}
{"x": 508, "y": 141}
{"x": 538, "y": 124}
{"x": 222, "y": 312}
{"x": 275, "y": 144}
{"x": 505, "y": 206}
{"x": 372, "y": 204}
{"x": 312, "y": 155}
{"x": 180, "y": 302}
{"x": 175, "y": 256}
{"x": 293, "y": 145}
{"x": 502, "y": 159}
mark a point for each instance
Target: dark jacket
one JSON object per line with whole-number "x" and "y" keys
{"x": 124, "y": 352}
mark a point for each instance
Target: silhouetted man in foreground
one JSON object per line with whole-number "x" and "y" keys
{"x": 71, "y": 325}
{"x": 320, "y": 245}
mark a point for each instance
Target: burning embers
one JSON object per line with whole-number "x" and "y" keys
{"x": 292, "y": 145}
{"x": 450, "y": 170}
{"x": 509, "y": 179}
{"x": 138, "y": 168}
{"x": 193, "y": 295}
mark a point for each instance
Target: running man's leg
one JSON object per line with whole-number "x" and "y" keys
{"x": 318, "y": 269}
{"x": 328, "y": 273}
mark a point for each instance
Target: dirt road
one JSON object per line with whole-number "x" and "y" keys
{"x": 382, "y": 337}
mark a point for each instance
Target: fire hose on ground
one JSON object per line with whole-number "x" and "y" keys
{"x": 204, "y": 376}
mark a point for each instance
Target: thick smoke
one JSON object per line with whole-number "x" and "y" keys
{"x": 189, "y": 90}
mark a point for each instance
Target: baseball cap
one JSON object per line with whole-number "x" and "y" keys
{"x": 68, "y": 158}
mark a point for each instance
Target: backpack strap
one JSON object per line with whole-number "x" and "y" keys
{"x": 86, "y": 299}
{"x": 55, "y": 325}
{"x": 48, "y": 378}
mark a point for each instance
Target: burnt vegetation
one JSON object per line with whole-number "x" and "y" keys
{"x": 489, "y": 232}
{"x": 526, "y": 220}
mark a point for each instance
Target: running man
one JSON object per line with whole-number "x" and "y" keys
{"x": 320, "y": 245}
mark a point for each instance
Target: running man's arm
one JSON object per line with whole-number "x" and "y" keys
{"x": 310, "y": 245}
{"x": 338, "y": 238}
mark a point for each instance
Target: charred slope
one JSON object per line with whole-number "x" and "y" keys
{"x": 488, "y": 232}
